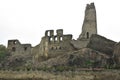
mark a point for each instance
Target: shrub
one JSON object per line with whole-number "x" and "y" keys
{"x": 3, "y": 52}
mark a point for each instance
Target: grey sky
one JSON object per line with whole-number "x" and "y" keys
{"x": 27, "y": 20}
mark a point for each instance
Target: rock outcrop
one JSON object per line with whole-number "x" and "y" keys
{"x": 83, "y": 58}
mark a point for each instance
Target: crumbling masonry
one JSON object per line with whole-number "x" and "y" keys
{"x": 52, "y": 45}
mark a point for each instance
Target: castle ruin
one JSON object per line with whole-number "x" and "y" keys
{"x": 52, "y": 45}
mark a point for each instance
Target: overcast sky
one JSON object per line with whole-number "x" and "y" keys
{"x": 27, "y": 20}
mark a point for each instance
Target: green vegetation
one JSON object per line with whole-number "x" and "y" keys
{"x": 88, "y": 63}
{"x": 3, "y": 52}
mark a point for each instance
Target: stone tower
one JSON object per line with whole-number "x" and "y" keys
{"x": 90, "y": 24}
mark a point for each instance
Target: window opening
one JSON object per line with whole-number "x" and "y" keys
{"x": 61, "y": 38}
{"x": 13, "y": 49}
{"x": 87, "y": 35}
{"x": 25, "y": 48}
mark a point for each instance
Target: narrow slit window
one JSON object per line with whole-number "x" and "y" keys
{"x": 87, "y": 35}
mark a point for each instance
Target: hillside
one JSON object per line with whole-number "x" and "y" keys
{"x": 83, "y": 58}
{"x": 98, "y": 53}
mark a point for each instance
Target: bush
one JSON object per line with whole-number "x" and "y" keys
{"x": 3, "y": 52}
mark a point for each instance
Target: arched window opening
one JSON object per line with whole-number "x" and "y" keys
{"x": 51, "y": 39}
{"x": 14, "y": 42}
{"x": 55, "y": 38}
{"x": 61, "y": 38}
{"x": 48, "y": 33}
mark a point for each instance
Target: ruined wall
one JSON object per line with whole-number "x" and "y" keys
{"x": 90, "y": 23}
{"x": 15, "y": 47}
{"x": 58, "y": 44}
{"x": 79, "y": 44}
{"x": 53, "y": 45}
{"x": 116, "y": 53}
{"x": 101, "y": 44}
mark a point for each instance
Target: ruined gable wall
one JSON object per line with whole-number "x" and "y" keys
{"x": 15, "y": 47}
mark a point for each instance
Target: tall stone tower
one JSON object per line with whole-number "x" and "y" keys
{"x": 90, "y": 23}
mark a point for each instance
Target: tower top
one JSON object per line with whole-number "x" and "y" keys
{"x": 90, "y": 6}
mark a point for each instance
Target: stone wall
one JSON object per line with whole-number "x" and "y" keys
{"x": 116, "y": 53}
{"x": 90, "y": 23}
{"x": 15, "y": 47}
{"x": 52, "y": 45}
{"x": 79, "y": 44}
{"x": 101, "y": 44}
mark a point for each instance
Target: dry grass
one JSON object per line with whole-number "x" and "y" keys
{"x": 41, "y": 75}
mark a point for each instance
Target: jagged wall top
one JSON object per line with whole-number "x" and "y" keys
{"x": 90, "y": 6}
